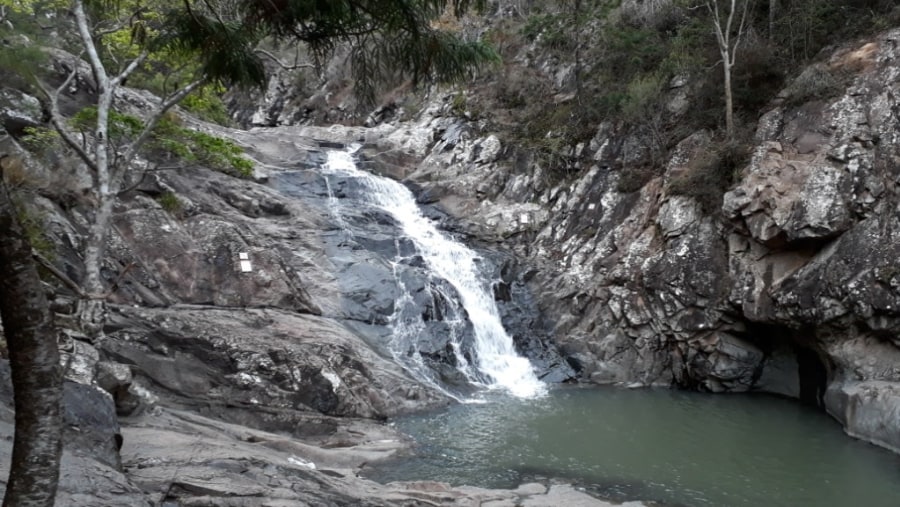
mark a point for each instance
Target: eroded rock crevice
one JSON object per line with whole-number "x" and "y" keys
{"x": 794, "y": 364}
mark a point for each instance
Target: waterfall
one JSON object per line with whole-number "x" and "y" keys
{"x": 495, "y": 363}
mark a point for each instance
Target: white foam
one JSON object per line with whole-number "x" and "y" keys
{"x": 496, "y": 358}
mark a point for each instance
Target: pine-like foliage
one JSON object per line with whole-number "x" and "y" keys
{"x": 223, "y": 44}
{"x": 387, "y": 37}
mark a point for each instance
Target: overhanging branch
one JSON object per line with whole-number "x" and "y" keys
{"x": 167, "y": 104}
{"x": 283, "y": 65}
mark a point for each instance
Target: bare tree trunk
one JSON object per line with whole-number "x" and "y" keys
{"x": 36, "y": 375}
{"x": 773, "y": 15}
{"x": 729, "y": 103}
{"x": 576, "y": 14}
{"x": 728, "y": 37}
{"x": 92, "y": 307}
{"x": 91, "y": 311}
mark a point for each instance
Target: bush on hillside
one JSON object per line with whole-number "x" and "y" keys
{"x": 708, "y": 176}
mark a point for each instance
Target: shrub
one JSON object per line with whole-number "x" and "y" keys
{"x": 41, "y": 140}
{"x": 660, "y": 15}
{"x": 709, "y": 175}
{"x": 458, "y": 104}
{"x": 171, "y": 139}
{"x": 218, "y": 153}
{"x": 758, "y": 75}
{"x": 20, "y": 58}
{"x": 122, "y": 127}
{"x": 171, "y": 203}
{"x": 629, "y": 51}
{"x": 552, "y": 31}
{"x": 804, "y": 28}
{"x": 34, "y": 227}
{"x": 206, "y": 104}
{"x": 17, "y": 174}
{"x": 816, "y": 82}
{"x": 633, "y": 179}
{"x": 642, "y": 98}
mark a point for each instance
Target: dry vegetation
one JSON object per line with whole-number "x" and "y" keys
{"x": 572, "y": 65}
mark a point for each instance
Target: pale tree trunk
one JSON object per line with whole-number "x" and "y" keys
{"x": 729, "y": 103}
{"x": 576, "y": 14}
{"x": 91, "y": 311}
{"x": 34, "y": 360}
{"x": 728, "y": 47}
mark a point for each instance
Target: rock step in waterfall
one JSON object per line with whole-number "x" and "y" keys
{"x": 494, "y": 362}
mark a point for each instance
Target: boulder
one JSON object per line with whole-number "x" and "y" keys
{"x": 91, "y": 471}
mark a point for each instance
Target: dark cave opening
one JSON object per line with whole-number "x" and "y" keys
{"x": 795, "y": 364}
{"x": 813, "y": 376}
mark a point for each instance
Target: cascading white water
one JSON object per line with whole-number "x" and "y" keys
{"x": 495, "y": 355}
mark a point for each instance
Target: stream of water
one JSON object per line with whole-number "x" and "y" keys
{"x": 496, "y": 362}
{"x": 676, "y": 448}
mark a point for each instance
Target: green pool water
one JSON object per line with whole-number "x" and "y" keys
{"x": 672, "y": 447}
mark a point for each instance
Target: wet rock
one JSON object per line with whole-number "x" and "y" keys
{"x": 113, "y": 377}
{"x": 117, "y": 380}
{"x": 524, "y": 322}
{"x": 720, "y": 362}
{"x": 780, "y": 373}
{"x": 91, "y": 425}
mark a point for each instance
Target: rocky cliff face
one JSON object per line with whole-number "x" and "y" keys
{"x": 787, "y": 285}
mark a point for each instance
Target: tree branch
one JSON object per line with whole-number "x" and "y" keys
{"x": 43, "y": 261}
{"x": 740, "y": 33}
{"x": 730, "y": 21}
{"x": 282, "y": 64}
{"x": 56, "y": 117}
{"x": 130, "y": 68}
{"x": 144, "y": 175}
{"x": 88, "y": 41}
{"x": 167, "y": 104}
{"x": 115, "y": 285}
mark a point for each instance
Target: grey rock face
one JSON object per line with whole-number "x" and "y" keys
{"x": 350, "y": 266}
{"x": 791, "y": 290}
{"x": 868, "y": 410}
{"x": 263, "y": 360}
{"x": 18, "y": 111}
